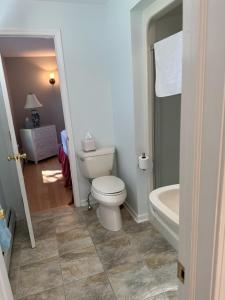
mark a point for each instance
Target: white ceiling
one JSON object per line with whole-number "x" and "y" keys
{"x": 26, "y": 47}
{"x": 80, "y": 1}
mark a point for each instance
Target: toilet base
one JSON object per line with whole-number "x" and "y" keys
{"x": 109, "y": 217}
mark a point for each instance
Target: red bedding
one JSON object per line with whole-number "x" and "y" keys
{"x": 64, "y": 160}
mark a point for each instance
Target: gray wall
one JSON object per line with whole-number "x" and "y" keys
{"x": 166, "y": 113}
{"x": 31, "y": 74}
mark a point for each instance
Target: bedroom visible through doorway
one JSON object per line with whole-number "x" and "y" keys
{"x": 33, "y": 85}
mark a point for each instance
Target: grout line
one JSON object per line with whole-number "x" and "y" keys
{"x": 105, "y": 271}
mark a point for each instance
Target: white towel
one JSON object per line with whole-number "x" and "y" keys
{"x": 168, "y": 62}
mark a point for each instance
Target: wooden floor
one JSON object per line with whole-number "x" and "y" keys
{"x": 45, "y": 185}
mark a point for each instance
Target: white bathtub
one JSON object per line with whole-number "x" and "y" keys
{"x": 164, "y": 206}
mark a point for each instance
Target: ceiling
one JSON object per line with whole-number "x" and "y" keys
{"x": 26, "y": 47}
{"x": 80, "y": 1}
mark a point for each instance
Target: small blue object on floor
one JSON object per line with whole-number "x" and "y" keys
{"x": 5, "y": 235}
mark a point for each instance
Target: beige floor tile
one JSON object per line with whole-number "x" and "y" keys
{"x": 38, "y": 277}
{"x": 134, "y": 281}
{"x": 74, "y": 269}
{"x": 42, "y": 216}
{"x": 44, "y": 229}
{"x": 116, "y": 252}
{"x": 14, "y": 279}
{"x": 74, "y": 249}
{"x": 166, "y": 275}
{"x": 74, "y": 245}
{"x": 96, "y": 287}
{"x": 68, "y": 222}
{"x": 171, "y": 295}
{"x": 52, "y": 294}
{"x": 44, "y": 249}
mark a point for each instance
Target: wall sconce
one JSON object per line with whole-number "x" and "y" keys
{"x": 52, "y": 78}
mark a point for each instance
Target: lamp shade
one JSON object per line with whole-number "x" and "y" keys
{"x": 32, "y": 102}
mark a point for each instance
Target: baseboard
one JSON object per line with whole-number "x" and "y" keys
{"x": 84, "y": 202}
{"x": 138, "y": 218}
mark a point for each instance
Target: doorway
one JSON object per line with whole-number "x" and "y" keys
{"x": 47, "y": 170}
{"x": 36, "y": 92}
{"x": 157, "y": 120}
{"x": 166, "y": 110}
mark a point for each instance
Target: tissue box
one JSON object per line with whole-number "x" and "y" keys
{"x": 88, "y": 145}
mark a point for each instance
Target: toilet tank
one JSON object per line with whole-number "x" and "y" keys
{"x": 96, "y": 163}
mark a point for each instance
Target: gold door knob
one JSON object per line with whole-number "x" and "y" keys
{"x": 22, "y": 156}
{"x": 2, "y": 214}
{"x": 17, "y": 157}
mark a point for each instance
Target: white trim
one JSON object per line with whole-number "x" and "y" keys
{"x": 217, "y": 284}
{"x": 202, "y": 219}
{"x": 198, "y": 143}
{"x": 84, "y": 202}
{"x": 67, "y": 116}
{"x": 138, "y": 218}
{"x": 56, "y": 35}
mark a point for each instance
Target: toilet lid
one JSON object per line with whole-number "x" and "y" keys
{"x": 108, "y": 184}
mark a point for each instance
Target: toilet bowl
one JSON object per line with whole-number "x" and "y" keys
{"x": 110, "y": 192}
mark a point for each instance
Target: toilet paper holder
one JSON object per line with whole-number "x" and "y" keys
{"x": 143, "y": 161}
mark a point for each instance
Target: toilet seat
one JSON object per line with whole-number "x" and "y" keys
{"x": 108, "y": 185}
{"x": 107, "y": 194}
{"x": 109, "y": 199}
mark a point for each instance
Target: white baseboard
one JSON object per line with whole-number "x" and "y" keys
{"x": 138, "y": 218}
{"x": 84, "y": 202}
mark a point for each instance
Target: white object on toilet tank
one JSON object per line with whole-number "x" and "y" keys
{"x": 88, "y": 143}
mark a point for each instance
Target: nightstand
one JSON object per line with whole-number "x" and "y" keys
{"x": 39, "y": 143}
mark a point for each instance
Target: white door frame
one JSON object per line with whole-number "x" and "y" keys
{"x": 202, "y": 170}
{"x": 202, "y": 163}
{"x": 56, "y": 36}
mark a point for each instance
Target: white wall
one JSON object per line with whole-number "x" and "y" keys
{"x": 126, "y": 129}
{"x": 121, "y": 87}
{"x": 98, "y": 58}
{"x": 128, "y": 22}
{"x": 83, "y": 35}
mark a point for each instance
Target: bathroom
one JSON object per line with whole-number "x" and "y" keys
{"x": 124, "y": 248}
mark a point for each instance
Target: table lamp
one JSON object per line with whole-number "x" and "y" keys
{"x": 32, "y": 104}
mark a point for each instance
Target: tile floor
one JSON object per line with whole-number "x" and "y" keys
{"x": 76, "y": 258}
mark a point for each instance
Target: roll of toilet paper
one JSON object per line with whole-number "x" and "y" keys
{"x": 143, "y": 162}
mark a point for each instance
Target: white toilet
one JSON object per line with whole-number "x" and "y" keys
{"x": 108, "y": 190}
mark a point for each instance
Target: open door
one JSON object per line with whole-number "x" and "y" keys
{"x": 10, "y": 149}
